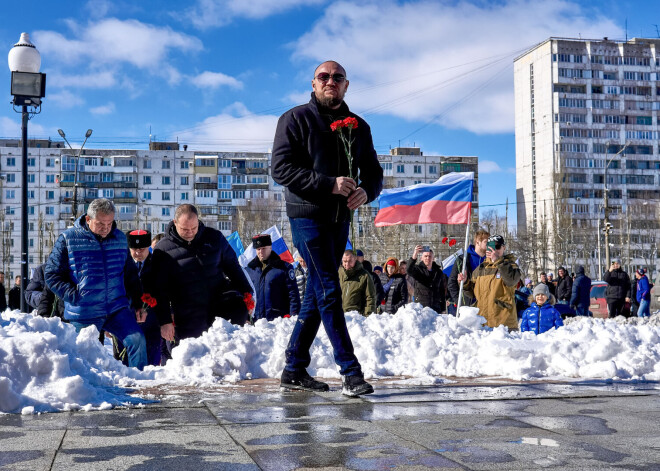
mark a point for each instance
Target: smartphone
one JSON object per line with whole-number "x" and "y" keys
{"x": 426, "y": 248}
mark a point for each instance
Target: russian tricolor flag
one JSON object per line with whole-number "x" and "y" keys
{"x": 447, "y": 201}
{"x": 279, "y": 247}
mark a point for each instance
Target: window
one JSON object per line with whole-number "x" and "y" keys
{"x": 224, "y": 163}
{"x": 50, "y": 195}
{"x": 185, "y": 180}
{"x": 225, "y": 225}
{"x": 433, "y": 169}
{"x": 146, "y": 179}
{"x": 30, "y": 194}
{"x": 50, "y": 162}
{"x": 31, "y": 162}
{"x": 644, "y": 120}
{"x": 11, "y": 178}
{"x": 185, "y": 164}
{"x": 239, "y": 194}
{"x": 609, "y": 75}
{"x": 10, "y": 194}
{"x": 31, "y": 212}
{"x": 146, "y": 163}
{"x": 225, "y": 195}
{"x": 30, "y": 177}
{"x": 11, "y": 161}
{"x": 165, "y": 212}
{"x": 166, "y": 166}
{"x": 400, "y": 168}
{"x": 224, "y": 182}
{"x": 50, "y": 178}
{"x": 417, "y": 169}
{"x": 146, "y": 195}
{"x": 573, "y": 102}
{"x": 50, "y": 210}
{"x": 184, "y": 196}
{"x": 199, "y": 162}
{"x": 108, "y": 193}
{"x": 166, "y": 195}
{"x": 166, "y": 180}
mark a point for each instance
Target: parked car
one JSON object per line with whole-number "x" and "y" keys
{"x": 598, "y": 303}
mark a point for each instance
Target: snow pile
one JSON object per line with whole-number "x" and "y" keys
{"x": 418, "y": 342}
{"x": 45, "y": 366}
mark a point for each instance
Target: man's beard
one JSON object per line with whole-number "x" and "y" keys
{"x": 329, "y": 101}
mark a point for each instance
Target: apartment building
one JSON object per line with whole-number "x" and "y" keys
{"x": 232, "y": 190}
{"x": 582, "y": 105}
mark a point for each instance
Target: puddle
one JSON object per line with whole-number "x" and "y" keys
{"x": 536, "y": 441}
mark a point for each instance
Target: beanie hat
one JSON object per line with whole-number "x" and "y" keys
{"x": 379, "y": 268}
{"x": 641, "y": 271}
{"x": 542, "y": 289}
{"x": 527, "y": 281}
{"x": 359, "y": 253}
{"x": 495, "y": 242}
{"x": 139, "y": 239}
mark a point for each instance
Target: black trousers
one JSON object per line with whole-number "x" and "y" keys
{"x": 615, "y": 308}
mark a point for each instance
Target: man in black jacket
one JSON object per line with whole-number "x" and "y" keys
{"x": 309, "y": 160}
{"x": 15, "y": 294}
{"x": 274, "y": 282}
{"x": 3, "y": 293}
{"x": 564, "y": 286}
{"x": 194, "y": 267}
{"x": 430, "y": 281}
{"x": 617, "y": 292}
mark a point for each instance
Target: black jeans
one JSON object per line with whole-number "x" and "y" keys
{"x": 615, "y": 308}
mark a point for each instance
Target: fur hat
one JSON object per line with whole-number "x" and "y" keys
{"x": 261, "y": 240}
{"x": 139, "y": 239}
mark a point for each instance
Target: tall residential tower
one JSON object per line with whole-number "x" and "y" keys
{"x": 586, "y": 110}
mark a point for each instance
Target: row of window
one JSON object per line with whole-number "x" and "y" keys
{"x": 604, "y": 59}
{"x": 401, "y": 168}
{"x": 606, "y": 75}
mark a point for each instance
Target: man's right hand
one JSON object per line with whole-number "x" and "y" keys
{"x": 167, "y": 331}
{"x": 418, "y": 249}
{"x": 460, "y": 277}
{"x": 344, "y": 186}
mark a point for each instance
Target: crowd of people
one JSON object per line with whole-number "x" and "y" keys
{"x": 148, "y": 293}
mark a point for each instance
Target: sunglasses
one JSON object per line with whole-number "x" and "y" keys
{"x": 324, "y": 77}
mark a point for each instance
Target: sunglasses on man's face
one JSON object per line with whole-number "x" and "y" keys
{"x": 324, "y": 77}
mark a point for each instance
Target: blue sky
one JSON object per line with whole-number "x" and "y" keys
{"x": 216, "y": 74}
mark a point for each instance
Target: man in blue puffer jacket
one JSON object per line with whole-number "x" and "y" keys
{"x": 91, "y": 270}
{"x": 274, "y": 282}
{"x": 541, "y": 316}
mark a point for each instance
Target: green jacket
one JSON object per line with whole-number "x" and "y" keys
{"x": 358, "y": 292}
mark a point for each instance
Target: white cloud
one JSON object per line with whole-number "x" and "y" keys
{"x": 451, "y": 62}
{"x": 104, "y": 79}
{"x": 11, "y": 129}
{"x": 65, "y": 99}
{"x": 214, "y": 13}
{"x": 235, "y": 129}
{"x": 488, "y": 166}
{"x": 103, "y": 109}
{"x": 112, "y": 41}
{"x": 214, "y": 80}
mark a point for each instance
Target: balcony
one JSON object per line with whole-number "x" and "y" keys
{"x": 206, "y": 186}
{"x": 116, "y": 185}
{"x": 125, "y": 200}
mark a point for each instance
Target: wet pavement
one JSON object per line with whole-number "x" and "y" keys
{"x": 475, "y": 425}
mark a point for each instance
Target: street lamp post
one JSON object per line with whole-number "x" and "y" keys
{"x": 28, "y": 87}
{"x": 607, "y": 225}
{"x": 74, "y": 206}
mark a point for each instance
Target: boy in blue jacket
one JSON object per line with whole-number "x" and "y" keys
{"x": 541, "y": 315}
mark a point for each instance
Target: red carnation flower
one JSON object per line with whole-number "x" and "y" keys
{"x": 148, "y": 300}
{"x": 337, "y": 125}
{"x": 452, "y": 242}
{"x": 249, "y": 301}
{"x": 444, "y": 241}
{"x": 350, "y": 123}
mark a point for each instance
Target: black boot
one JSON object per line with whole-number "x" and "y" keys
{"x": 356, "y": 386}
{"x": 301, "y": 381}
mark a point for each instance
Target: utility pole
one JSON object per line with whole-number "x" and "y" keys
{"x": 607, "y": 225}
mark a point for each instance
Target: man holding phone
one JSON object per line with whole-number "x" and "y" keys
{"x": 494, "y": 283}
{"x": 430, "y": 283}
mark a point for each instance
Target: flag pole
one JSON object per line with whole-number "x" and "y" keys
{"x": 463, "y": 269}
